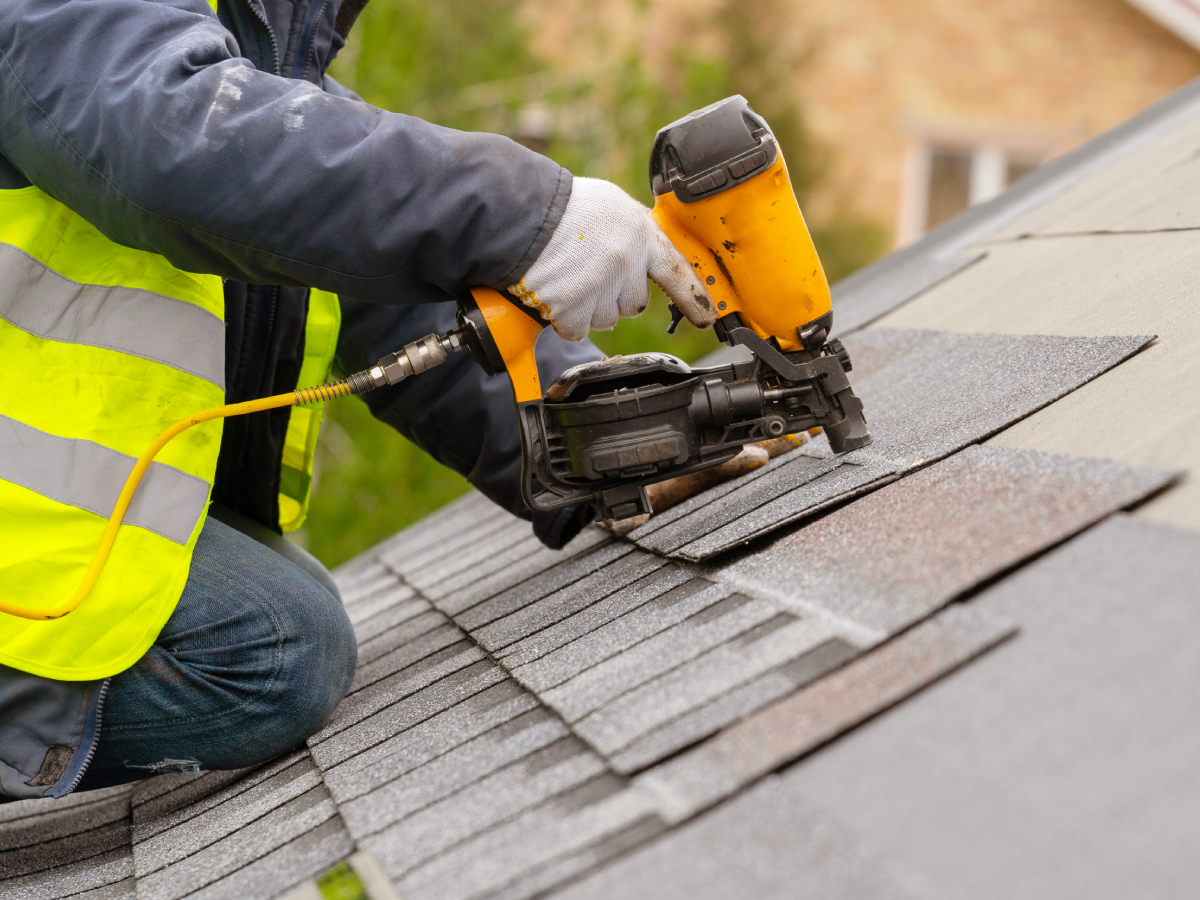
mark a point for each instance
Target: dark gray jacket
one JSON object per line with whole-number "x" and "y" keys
{"x": 223, "y": 146}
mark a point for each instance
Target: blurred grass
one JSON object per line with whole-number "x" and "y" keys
{"x": 466, "y": 64}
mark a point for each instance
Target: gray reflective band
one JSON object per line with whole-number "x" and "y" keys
{"x": 141, "y": 323}
{"x": 86, "y": 475}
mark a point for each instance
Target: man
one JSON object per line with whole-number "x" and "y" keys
{"x": 192, "y": 212}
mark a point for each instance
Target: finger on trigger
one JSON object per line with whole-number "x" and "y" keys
{"x": 671, "y": 272}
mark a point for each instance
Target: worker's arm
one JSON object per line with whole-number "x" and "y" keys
{"x": 139, "y": 116}
{"x": 459, "y": 415}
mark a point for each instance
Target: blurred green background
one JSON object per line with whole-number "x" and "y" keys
{"x": 470, "y": 64}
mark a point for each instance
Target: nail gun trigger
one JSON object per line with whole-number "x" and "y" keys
{"x": 676, "y": 317}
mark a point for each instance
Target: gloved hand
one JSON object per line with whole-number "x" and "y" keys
{"x": 594, "y": 267}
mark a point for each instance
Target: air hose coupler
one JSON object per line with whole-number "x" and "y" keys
{"x": 412, "y": 359}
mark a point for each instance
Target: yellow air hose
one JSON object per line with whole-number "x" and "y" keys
{"x": 296, "y": 398}
{"x": 414, "y": 358}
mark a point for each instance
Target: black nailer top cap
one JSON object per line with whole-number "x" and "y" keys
{"x": 711, "y": 150}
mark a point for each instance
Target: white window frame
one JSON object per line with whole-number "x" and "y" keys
{"x": 992, "y": 148}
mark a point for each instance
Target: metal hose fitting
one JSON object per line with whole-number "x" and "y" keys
{"x": 412, "y": 359}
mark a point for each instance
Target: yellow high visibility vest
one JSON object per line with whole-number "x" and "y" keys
{"x": 321, "y": 329}
{"x": 101, "y": 348}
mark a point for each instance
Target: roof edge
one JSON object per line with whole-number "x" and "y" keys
{"x": 884, "y": 285}
{"x": 1180, "y": 17}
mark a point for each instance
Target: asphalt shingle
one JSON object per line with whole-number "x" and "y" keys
{"x": 947, "y": 392}
{"x": 896, "y": 555}
{"x": 609, "y": 627}
{"x": 428, "y": 740}
{"x": 332, "y": 746}
{"x": 253, "y": 840}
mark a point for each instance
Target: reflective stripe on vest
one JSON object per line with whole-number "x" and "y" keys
{"x": 300, "y": 444}
{"x": 101, "y": 348}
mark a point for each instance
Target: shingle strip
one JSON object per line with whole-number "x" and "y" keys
{"x": 451, "y": 772}
{"x": 211, "y": 825}
{"x": 501, "y": 796}
{"x": 946, "y": 392}
{"x": 702, "y": 680}
{"x": 895, "y": 556}
{"x": 788, "y": 729}
{"x": 329, "y": 749}
{"x": 607, "y": 628}
{"x": 538, "y": 614}
{"x": 708, "y": 627}
{"x": 428, "y": 740}
{"x": 296, "y": 818}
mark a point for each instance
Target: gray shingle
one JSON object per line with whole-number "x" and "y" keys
{"x": 948, "y": 391}
{"x": 29, "y": 859}
{"x": 452, "y": 771}
{"x": 27, "y": 823}
{"x": 296, "y": 818}
{"x": 473, "y": 563}
{"x": 505, "y": 855}
{"x": 604, "y": 629}
{"x": 409, "y": 653}
{"x": 368, "y": 583}
{"x": 398, "y": 634}
{"x": 385, "y": 595}
{"x": 537, "y": 614}
{"x": 375, "y": 626}
{"x": 470, "y": 542}
{"x": 68, "y": 879}
{"x": 428, "y": 740}
{"x": 701, "y": 680}
{"x": 789, "y": 728}
{"x": 894, "y": 556}
{"x": 471, "y": 510}
{"x": 658, "y": 653}
{"x": 394, "y": 688}
{"x": 520, "y": 570}
{"x": 314, "y": 852}
{"x": 207, "y": 827}
{"x": 545, "y": 582}
{"x": 512, "y": 564}
{"x": 193, "y": 795}
{"x": 732, "y": 705}
{"x": 330, "y": 749}
{"x": 507, "y": 793}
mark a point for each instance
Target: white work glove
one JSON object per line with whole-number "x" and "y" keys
{"x": 593, "y": 270}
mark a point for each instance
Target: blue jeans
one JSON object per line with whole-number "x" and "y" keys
{"x": 254, "y": 659}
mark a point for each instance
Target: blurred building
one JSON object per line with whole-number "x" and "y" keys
{"x": 931, "y": 105}
{"x": 927, "y": 106}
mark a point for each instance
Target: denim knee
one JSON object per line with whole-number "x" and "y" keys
{"x": 319, "y": 657}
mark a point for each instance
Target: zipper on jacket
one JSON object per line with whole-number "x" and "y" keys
{"x": 310, "y": 50}
{"x": 262, "y": 18}
{"x": 87, "y": 760}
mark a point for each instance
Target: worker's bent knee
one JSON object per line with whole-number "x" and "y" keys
{"x": 255, "y": 659}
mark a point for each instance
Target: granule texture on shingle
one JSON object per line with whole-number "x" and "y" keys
{"x": 939, "y": 392}
{"x": 209, "y": 825}
{"x": 55, "y": 848}
{"x": 892, "y": 557}
{"x": 427, "y": 740}
{"x": 252, "y": 841}
{"x": 795, "y": 725}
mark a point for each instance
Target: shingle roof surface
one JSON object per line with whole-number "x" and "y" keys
{"x": 605, "y": 719}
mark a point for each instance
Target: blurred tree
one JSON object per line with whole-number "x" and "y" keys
{"x": 467, "y": 64}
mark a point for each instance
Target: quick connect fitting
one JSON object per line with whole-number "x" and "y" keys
{"x": 412, "y": 359}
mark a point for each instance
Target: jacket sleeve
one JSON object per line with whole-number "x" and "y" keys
{"x": 140, "y": 116}
{"x": 456, "y": 413}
